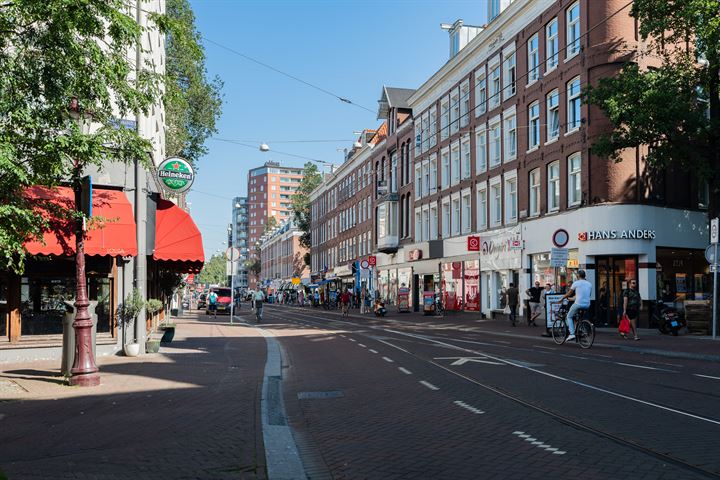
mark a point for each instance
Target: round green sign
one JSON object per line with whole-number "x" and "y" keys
{"x": 176, "y": 174}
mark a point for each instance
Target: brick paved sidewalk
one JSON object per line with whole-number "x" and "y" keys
{"x": 190, "y": 411}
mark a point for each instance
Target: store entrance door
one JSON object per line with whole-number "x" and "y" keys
{"x": 612, "y": 276}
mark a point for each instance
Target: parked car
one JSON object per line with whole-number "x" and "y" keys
{"x": 224, "y": 298}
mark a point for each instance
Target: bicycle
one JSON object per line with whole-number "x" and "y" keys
{"x": 584, "y": 329}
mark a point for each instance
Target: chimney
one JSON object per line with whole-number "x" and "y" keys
{"x": 460, "y": 35}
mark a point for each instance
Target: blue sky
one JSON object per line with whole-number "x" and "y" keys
{"x": 350, "y": 48}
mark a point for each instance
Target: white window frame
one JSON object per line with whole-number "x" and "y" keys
{"x": 466, "y": 211}
{"x": 480, "y": 92}
{"x": 454, "y": 110}
{"x": 426, "y": 222}
{"x": 574, "y": 184}
{"x": 433, "y": 221}
{"x": 511, "y": 197}
{"x": 533, "y": 66}
{"x": 533, "y": 126}
{"x": 552, "y": 102}
{"x": 481, "y": 155}
{"x": 574, "y": 107}
{"x": 446, "y": 216}
{"x": 494, "y": 94}
{"x": 509, "y": 135}
{"x": 482, "y": 211}
{"x": 418, "y": 180}
{"x": 509, "y": 72}
{"x": 432, "y": 132}
{"x": 553, "y": 191}
{"x": 445, "y": 174}
{"x": 465, "y": 157}
{"x": 495, "y": 142}
{"x": 425, "y": 178}
{"x": 572, "y": 32}
{"x": 445, "y": 117}
{"x": 465, "y": 103}
{"x": 534, "y": 192}
{"x": 433, "y": 174}
{"x": 455, "y": 209}
{"x": 455, "y": 163}
{"x": 552, "y": 45}
{"x": 496, "y": 199}
{"x": 418, "y": 225}
{"x": 425, "y": 122}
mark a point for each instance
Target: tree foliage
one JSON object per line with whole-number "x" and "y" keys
{"x": 312, "y": 178}
{"x": 254, "y": 266}
{"x": 270, "y": 224}
{"x": 214, "y": 271}
{"x": 673, "y": 107}
{"x": 52, "y": 51}
{"x": 192, "y": 102}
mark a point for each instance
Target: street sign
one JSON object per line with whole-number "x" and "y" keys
{"x": 710, "y": 254}
{"x": 559, "y": 257}
{"x": 364, "y": 264}
{"x": 372, "y": 260}
{"x": 473, "y": 244}
{"x": 232, "y": 253}
{"x": 713, "y": 267}
{"x": 714, "y": 234}
{"x": 295, "y": 281}
{"x": 560, "y": 238}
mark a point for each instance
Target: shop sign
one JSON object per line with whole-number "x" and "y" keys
{"x": 372, "y": 260}
{"x": 559, "y": 257}
{"x": 403, "y": 299}
{"x": 473, "y": 244}
{"x": 501, "y": 250}
{"x": 631, "y": 234}
{"x": 414, "y": 255}
{"x": 552, "y": 308}
{"x": 295, "y": 281}
{"x": 176, "y": 174}
{"x": 428, "y": 301}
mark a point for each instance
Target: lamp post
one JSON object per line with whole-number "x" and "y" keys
{"x": 231, "y": 247}
{"x": 84, "y": 370}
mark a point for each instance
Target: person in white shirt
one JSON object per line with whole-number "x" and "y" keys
{"x": 582, "y": 290}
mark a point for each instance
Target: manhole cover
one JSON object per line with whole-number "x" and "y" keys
{"x": 316, "y": 395}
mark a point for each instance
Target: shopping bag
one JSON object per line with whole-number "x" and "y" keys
{"x": 506, "y": 310}
{"x": 624, "y": 326}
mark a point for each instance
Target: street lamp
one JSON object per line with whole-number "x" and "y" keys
{"x": 84, "y": 370}
{"x": 232, "y": 275}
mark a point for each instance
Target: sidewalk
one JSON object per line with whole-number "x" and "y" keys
{"x": 190, "y": 411}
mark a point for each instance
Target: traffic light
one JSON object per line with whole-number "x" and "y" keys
{"x": 353, "y": 267}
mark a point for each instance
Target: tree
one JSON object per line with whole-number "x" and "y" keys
{"x": 270, "y": 224}
{"x": 312, "y": 178}
{"x": 214, "y": 271}
{"x": 53, "y": 52}
{"x": 674, "y": 107}
{"x": 254, "y": 266}
{"x": 192, "y": 102}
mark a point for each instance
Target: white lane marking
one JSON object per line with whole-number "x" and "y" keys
{"x": 667, "y": 364}
{"x": 501, "y": 341}
{"x": 568, "y": 380}
{"x": 361, "y": 345}
{"x": 706, "y": 376}
{"x": 641, "y": 366}
{"x": 464, "y": 360}
{"x": 373, "y": 351}
{"x": 429, "y": 385}
{"x": 534, "y": 441}
{"x": 464, "y": 405}
{"x": 544, "y": 348}
{"x": 391, "y": 345}
{"x": 405, "y": 370}
{"x": 352, "y": 339}
{"x": 389, "y": 360}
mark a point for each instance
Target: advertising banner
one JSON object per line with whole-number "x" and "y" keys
{"x": 501, "y": 250}
{"x": 403, "y": 299}
{"x": 551, "y": 307}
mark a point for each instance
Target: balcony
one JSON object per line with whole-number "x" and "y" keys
{"x": 387, "y": 220}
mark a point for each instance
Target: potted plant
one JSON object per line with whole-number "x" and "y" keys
{"x": 127, "y": 314}
{"x": 168, "y": 332}
{"x": 152, "y": 345}
{"x": 152, "y": 307}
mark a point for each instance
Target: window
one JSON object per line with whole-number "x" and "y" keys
{"x": 496, "y": 204}
{"x": 454, "y": 111}
{"x": 534, "y": 199}
{"x": 509, "y": 75}
{"x": 425, "y": 123}
{"x": 573, "y": 31}
{"x": 533, "y": 59}
{"x": 465, "y": 103}
{"x": 534, "y": 126}
{"x": 426, "y": 178}
{"x": 418, "y": 139}
{"x": 495, "y": 144}
{"x": 393, "y": 173}
{"x": 495, "y": 87}
{"x": 455, "y": 221}
{"x": 418, "y": 225}
{"x": 455, "y": 163}
{"x": 466, "y": 159}
{"x": 481, "y": 150}
{"x": 466, "y": 212}
{"x": 426, "y": 224}
{"x": 510, "y": 133}
{"x": 481, "y": 207}
{"x": 494, "y": 8}
{"x": 444, "y": 118}
{"x": 511, "y": 200}
{"x": 551, "y": 45}
{"x": 433, "y": 175}
{"x": 574, "y": 181}
{"x": 445, "y": 178}
{"x": 480, "y": 93}
{"x": 418, "y": 180}
{"x": 433, "y": 222}
{"x": 554, "y": 187}
{"x": 433, "y": 126}
{"x": 573, "y": 107}
{"x": 553, "y": 115}
{"x": 446, "y": 218}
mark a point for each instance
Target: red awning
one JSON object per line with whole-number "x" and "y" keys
{"x": 177, "y": 238}
{"x": 114, "y": 236}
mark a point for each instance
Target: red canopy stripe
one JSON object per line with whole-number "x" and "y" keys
{"x": 177, "y": 238}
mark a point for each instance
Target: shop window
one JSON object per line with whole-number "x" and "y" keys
{"x": 451, "y": 286}
{"x": 471, "y": 277}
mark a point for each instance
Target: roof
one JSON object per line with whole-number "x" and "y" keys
{"x": 393, "y": 98}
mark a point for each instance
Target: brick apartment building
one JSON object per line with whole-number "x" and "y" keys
{"x": 499, "y": 149}
{"x": 282, "y": 256}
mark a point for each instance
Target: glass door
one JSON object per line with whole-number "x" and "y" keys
{"x": 612, "y": 276}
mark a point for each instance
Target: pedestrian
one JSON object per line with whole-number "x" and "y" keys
{"x": 512, "y": 296}
{"x": 345, "y": 299}
{"x": 212, "y": 299}
{"x": 534, "y": 301}
{"x": 301, "y": 298}
{"x": 632, "y": 304}
{"x": 259, "y": 298}
{"x": 548, "y": 290}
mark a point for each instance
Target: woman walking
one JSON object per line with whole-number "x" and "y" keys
{"x": 632, "y": 304}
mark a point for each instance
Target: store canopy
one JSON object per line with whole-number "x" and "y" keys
{"x": 177, "y": 239}
{"x": 112, "y": 232}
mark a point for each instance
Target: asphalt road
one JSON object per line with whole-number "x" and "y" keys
{"x": 389, "y": 398}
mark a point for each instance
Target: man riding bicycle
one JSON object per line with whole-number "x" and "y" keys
{"x": 581, "y": 289}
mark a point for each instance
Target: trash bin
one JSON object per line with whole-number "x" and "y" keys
{"x": 68, "y": 353}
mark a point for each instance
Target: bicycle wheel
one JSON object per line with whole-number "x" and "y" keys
{"x": 585, "y": 334}
{"x": 558, "y": 331}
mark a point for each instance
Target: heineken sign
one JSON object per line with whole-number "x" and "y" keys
{"x": 176, "y": 174}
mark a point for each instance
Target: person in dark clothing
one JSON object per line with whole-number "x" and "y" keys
{"x": 512, "y": 295}
{"x": 535, "y": 310}
{"x": 632, "y": 303}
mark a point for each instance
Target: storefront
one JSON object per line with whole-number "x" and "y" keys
{"x": 500, "y": 263}
{"x": 682, "y": 274}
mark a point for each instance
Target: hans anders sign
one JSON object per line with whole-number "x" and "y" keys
{"x": 631, "y": 234}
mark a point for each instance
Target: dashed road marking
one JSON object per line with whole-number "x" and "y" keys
{"x": 373, "y": 351}
{"x": 706, "y": 376}
{"x": 429, "y": 385}
{"x": 361, "y": 345}
{"x": 405, "y": 371}
{"x": 544, "y": 348}
{"x": 389, "y": 360}
{"x": 464, "y": 405}
{"x": 352, "y": 339}
{"x": 642, "y": 366}
{"x": 534, "y": 441}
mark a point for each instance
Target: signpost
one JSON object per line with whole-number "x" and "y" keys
{"x": 714, "y": 236}
{"x": 231, "y": 253}
{"x": 559, "y": 257}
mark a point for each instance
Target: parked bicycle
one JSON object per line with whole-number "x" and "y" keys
{"x": 584, "y": 329}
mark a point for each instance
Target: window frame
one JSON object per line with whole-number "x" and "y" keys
{"x": 480, "y": 92}
{"x": 534, "y": 192}
{"x": 496, "y": 200}
{"x": 533, "y": 126}
{"x": 574, "y": 195}
{"x": 552, "y": 43}
{"x": 481, "y": 193}
{"x": 510, "y": 192}
{"x": 495, "y": 141}
{"x": 553, "y": 191}
{"x": 574, "y": 27}
{"x": 509, "y": 72}
{"x": 552, "y": 111}
{"x": 509, "y": 135}
{"x": 533, "y": 59}
{"x": 495, "y": 84}
{"x": 481, "y": 151}
{"x": 574, "y": 105}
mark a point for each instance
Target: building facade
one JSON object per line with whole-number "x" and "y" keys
{"x": 240, "y": 240}
{"x": 282, "y": 257}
